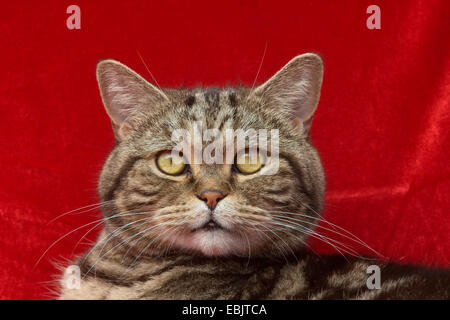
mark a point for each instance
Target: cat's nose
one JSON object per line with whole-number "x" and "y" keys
{"x": 211, "y": 197}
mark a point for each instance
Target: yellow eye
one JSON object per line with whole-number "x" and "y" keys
{"x": 247, "y": 164}
{"x": 170, "y": 164}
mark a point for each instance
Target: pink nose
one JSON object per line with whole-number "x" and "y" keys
{"x": 211, "y": 197}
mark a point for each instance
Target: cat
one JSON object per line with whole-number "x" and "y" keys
{"x": 176, "y": 229}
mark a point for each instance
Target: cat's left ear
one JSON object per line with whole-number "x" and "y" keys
{"x": 126, "y": 94}
{"x": 294, "y": 90}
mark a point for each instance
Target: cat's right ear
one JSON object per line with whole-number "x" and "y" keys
{"x": 294, "y": 91}
{"x": 125, "y": 94}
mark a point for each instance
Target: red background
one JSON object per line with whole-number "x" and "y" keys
{"x": 381, "y": 126}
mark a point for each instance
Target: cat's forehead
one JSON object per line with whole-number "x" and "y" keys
{"x": 209, "y": 113}
{"x": 209, "y": 99}
{"x": 207, "y": 104}
{"x": 217, "y": 108}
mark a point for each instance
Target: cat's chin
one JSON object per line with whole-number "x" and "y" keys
{"x": 213, "y": 243}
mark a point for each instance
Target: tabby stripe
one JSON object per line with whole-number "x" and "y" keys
{"x": 300, "y": 176}
{"x": 212, "y": 97}
{"x": 233, "y": 99}
{"x": 274, "y": 201}
{"x": 145, "y": 193}
{"x": 282, "y": 190}
{"x": 122, "y": 174}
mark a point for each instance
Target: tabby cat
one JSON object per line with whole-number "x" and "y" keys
{"x": 176, "y": 229}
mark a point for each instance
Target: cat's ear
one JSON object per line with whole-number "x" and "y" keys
{"x": 294, "y": 90}
{"x": 125, "y": 94}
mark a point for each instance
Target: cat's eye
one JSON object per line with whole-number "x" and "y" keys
{"x": 247, "y": 163}
{"x": 171, "y": 164}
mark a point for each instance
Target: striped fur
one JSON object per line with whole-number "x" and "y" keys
{"x": 309, "y": 277}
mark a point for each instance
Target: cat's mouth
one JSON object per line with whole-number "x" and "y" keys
{"x": 210, "y": 225}
{"x": 212, "y": 237}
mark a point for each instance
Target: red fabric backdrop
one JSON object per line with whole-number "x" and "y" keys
{"x": 381, "y": 126}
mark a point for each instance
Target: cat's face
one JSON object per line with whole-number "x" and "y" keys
{"x": 157, "y": 201}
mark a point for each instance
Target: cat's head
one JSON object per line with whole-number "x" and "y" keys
{"x": 156, "y": 199}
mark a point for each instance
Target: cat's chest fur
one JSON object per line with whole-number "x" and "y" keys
{"x": 309, "y": 277}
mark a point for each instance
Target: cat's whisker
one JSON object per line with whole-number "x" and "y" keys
{"x": 148, "y": 70}
{"x": 351, "y": 235}
{"x": 338, "y": 245}
{"x": 297, "y": 227}
{"x": 325, "y": 239}
{"x": 159, "y": 212}
{"x": 276, "y": 245}
{"x": 113, "y": 235}
{"x": 309, "y": 231}
{"x": 169, "y": 247}
{"x": 228, "y": 213}
{"x": 342, "y": 229}
{"x": 318, "y": 218}
{"x": 259, "y": 68}
{"x": 170, "y": 234}
{"x": 249, "y": 248}
{"x": 177, "y": 236}
{"x": 90, "y": 230}
{"x": 288, "y": 232}
{"x": 113, "y": 248}
{"x": 144, "y": 235}
{"x": 316, "y": 226}
{"x": 287, "y": 245}
{"x": 76, "y": 229}
{"x": 145, "y": 249}
{"x": 122, "y": 229}
{"x": 88, "y": 208}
